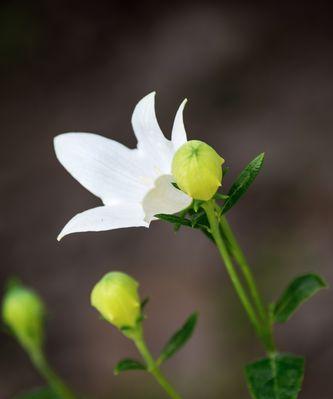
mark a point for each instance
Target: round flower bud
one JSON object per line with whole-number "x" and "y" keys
{"x": 197, "y": 169}
{"x": 23, "y": 312}
{"x": 116, "y": 297}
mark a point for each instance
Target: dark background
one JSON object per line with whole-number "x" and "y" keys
{"x": 258, "y": 76}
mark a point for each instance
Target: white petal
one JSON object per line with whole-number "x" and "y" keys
{"x": 105, "y": 218}
{"x": 151, "y": 141}
{"x": 178, "y": 135}
{"x": 164, "y": 198}
{"x": 106, "y": 168}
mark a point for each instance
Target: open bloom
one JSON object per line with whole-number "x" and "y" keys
{"x": 133, "y": 184}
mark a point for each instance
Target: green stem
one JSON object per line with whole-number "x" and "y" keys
{"x": 209, "y": 208}
{"x": 239, "y": 256}
{"x": 152, "y": 366}
{"x": 55, "y": 382}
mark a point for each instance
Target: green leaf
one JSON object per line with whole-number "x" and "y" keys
{"x": 243, "y": 182}
{"x": 225, "y": 170}
{"x": 300, "y": 290}
{"x": 177, "y": 220}
{"x": 38, "y": 393}
{"x": 128, "y": 364}
{"x": 179, "y": 338}
{"x": 279, "y": 377}
{"x": 144, "y": 303}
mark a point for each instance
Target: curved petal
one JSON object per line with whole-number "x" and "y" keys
{"x": 106, "y": 168}
{"x": 178, "y": 135}
{"x": 157, "y": 149}
{"x": 105, "y": 218}
{"x": 164, "y": 198}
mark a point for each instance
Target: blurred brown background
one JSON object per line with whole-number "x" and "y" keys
{"x": 258, "y": 76}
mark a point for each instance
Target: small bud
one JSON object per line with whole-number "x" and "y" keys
{"x": 116, "y": 297}
{"x": 23, "y": 312}
{"x": 197, "y": 169}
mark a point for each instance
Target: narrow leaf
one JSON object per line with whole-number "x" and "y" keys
{"x": 300, "y": 290}
{"x": 128, "y": 364}
{"x": 279, "y": 377}
{"x": 177, "y": 220}
{"x": 144, "y": 303}
{"x": 179, "y": 338}
{"x": 225, "y": 170}
{"x": 243, "y": 182}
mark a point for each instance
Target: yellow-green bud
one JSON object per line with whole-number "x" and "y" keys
{"x": 116, "y": 297}
{"x": 197, "y": 169}
{"x": 23, "y": 312}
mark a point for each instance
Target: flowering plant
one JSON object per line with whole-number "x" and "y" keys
{"x": 179, "y": 182}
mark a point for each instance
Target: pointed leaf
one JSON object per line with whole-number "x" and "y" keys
{"x": 144, "y": 303}
{"x": 225, "y": 170}
{"x": 128, "y": 364}
{"x": 179, "y": 338}
{"x": 300, "y": 290}
{"x": 177, "y": 220}
{"x": 277, "y": 378}
{"x": 243, "y": 182}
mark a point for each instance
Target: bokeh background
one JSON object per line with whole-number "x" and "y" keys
{"x": 258, "y": 76}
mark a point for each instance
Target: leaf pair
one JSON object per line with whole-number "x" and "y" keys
{"x": 280, "y": 377}
{"x": 172, "y": 346}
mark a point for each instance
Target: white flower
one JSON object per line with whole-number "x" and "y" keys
{"x": 133, "y": 184}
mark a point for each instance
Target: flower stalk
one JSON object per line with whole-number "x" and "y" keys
{"x": 258, "y": 316}
{"x": 23, "y": 311}
{"x": 240, "y": 258}
{"x": 117, "y": 299}
{"x": 55, "y": 382}
{"x": 152, "y": 366}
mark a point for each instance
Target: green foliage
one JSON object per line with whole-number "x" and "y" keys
{"x": 176, "y": 220}
{"x": 179, "y": 338}
{"x": 243, "y": 182}
{"x": 300, "y": 290}
{"x": 39, "y": 393}
{"x": 144, "y": 303}
{"x": 279, "y": 377}
{"x": 192, "y": 217}
{"x": 225, "y": 170}
{"x": 127, "y": 365}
